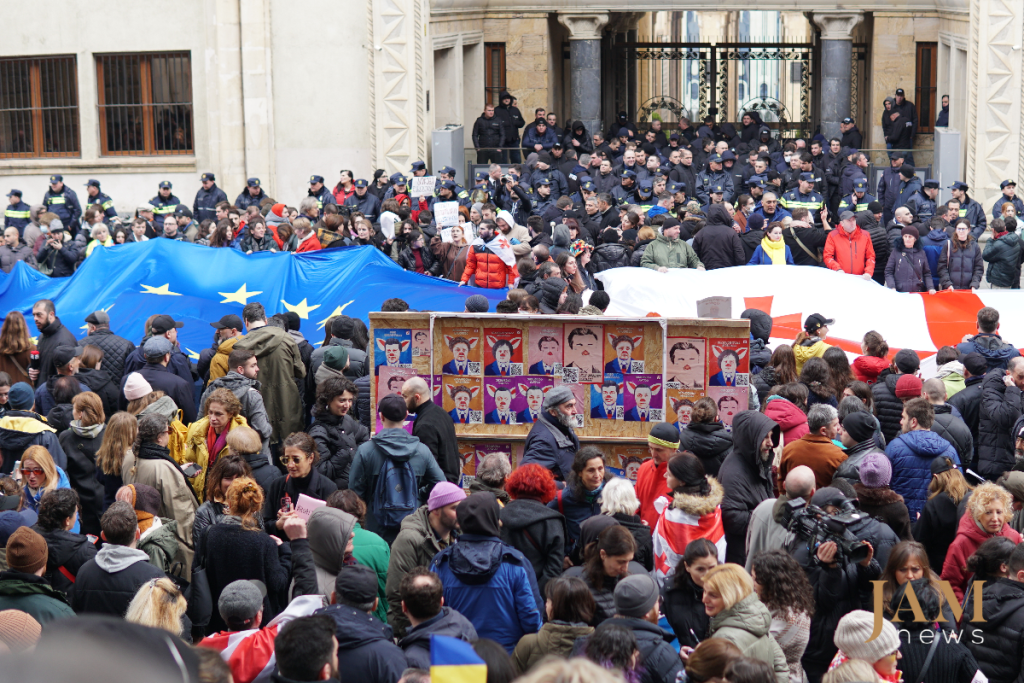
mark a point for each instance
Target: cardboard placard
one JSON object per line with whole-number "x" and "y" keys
{"x": 305, "y": 506}
{"x": 422, "y": 186}
{"x": 715, "y": 307}
{"x": 446, "y": 214}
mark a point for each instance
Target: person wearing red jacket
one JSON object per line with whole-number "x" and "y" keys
{"x": 849, "y": 248}
{"x": 308, "y": 241}
{"x": 492, "y": 271}
{"x": 662, "y": 442}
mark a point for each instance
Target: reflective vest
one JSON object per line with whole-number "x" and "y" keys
{"x": 812, "y": 201}
{"x": 851, "y": 203}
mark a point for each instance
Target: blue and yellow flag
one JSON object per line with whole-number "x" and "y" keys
{"x": 455, "y": 661}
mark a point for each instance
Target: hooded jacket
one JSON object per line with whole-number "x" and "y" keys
{"x": 868, "y": 368}
{"x": 760, "y": 331}
{"x": 747, "y": 624}
{"x": 608, "y": 255}
{"x": 101, "y": 383}
{"x": 746, "y": 478}
{"x": 550, "y": 445}
{"x": 996, "y": 643}
{"x": 555, "y": 638}
{"x": 280, "y": 365}
{"x": 1001, "y": 406}
{"x": 20, "y": 429}
{"x": 81, "y": 445}
{"x": 33, "y": 595}
{"x": 950, "y": 426}
{"x": 488, "y": 268}
{"x": 888, "y": 408}
{"x": 683, "y": 518}
{"x": 366, "y": 651}
{"x": 911, "y": 455}
{"x": 448, "y": 622}
{"x": 539, "y": 533}
{"x": 491, "y": 584}
{"x": 908, "y": 270}
{"x": 812, "y": 347}
{"x": 717, "y": 245}
{"x": 197, "y": 450}
{"x": 337, "y": 439}
{"x": 968, "y": 537}
{"x": 997, "y": 352}
{"x": 791, "y": 420}
{"x": 666, "y": 253}
{"x": 710, "y": 442}
{"x": 107, "y": 583}
{"x": 328, "y": 531}
{"x": 415, "y": 546}
{"x": 851, "y": 253}
{"x": 68, "y": 551}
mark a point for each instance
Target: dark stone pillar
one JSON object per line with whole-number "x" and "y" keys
{"x": 836, "y": 67}
{"x": 585, "y": 65}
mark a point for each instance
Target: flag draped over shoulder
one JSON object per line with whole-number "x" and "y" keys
{"x": 455, "y": 661}
{"x": 501, "y": 248}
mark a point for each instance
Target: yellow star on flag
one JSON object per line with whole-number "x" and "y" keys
{"x": 302, "y": 308}
{"x": 162, "y": 289}
{"x": 338, "y": 310}
{"x": 239, "y": 297}
{"x": 192, "y": 354}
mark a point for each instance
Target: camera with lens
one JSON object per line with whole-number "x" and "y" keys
{"x": 506, "y": 178}
{"x": 810, "y": 524}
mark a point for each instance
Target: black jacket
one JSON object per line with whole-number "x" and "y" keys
{"x": 951, "y": 663}
{"x": 489, "y": 133}
{"x": 50, "y": 337}
{"x": 609, "y": 255}
{"x": 879, "y": 241}
{"x": 407, "y": 260}
{"x": 539, "y": 533}
{"x": 205, "y": 205}
{"x": 67, "y": 551}
{"x": 416, "y": 643}
{"x": 717, "y": 244}
{"x": 1000, "y": 407}
{"x": 115, "y": 351}
{"x": 366, "y": 652}
{"x": 746, "y": 479}
{"x": 952, "y": 429}
{"x": 108, "y": 582}
{"x": 315, "y": 485}
{"x": 709, "y": 442}
{"x": 936, "y": 527}
{"x": 888, "y": 408}
{"x": 162, "y": 379}
{"x": 812, "y": 238}
{"x": 644, "y": 554}
{"x": 907, "y": 270}
{"x": 968, "y": 402}
{"x": 1000, "y": 652}
{"x": 81, "y": 472}
{"x": 660, "y": 661}
{"x": 103, "y": 384}
{"x": 337, "y": 439}
{"x": 435, "y": 430}
{"x": 764, "y": 381}
{"x": 684, "y": 609}
{"x": 961, "y": 269}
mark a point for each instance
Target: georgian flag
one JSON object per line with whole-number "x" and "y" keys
{"x": 500, "y": 246}
{"x": 675, "y": 530}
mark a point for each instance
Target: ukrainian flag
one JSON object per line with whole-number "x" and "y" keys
{"x": 454, "y": 661}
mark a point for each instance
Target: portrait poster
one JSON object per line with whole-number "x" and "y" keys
{"x": 679, "y": 406}
{"x": 531, "y": 393}
{"x": 503, "y": 352}
{"x": 482, "y": 450}
{"x": 624, "y": 349}
{"x": 729, "y": 362}
{"x": 579, "y": 392}
{"x": 463, "y": 399}
{"x": 436, "y": 387}
{"x": 544, "y": 354}
{"x": 581, "y": 353}
{"x": 392, "y": 348}
{"x": 730, "y": 400}
{"x": 390, "y": 381}
{"x": 642, "y": 399}
{"x": 467, "y": 458}
{"x": 420, "y": 343}
{"x": 686, "y": 356}
{"x": 625, "y": 461}
{"x": 501, "y": 400}
{"x": 606, "y": 398}
{"x": 460, "y": 354}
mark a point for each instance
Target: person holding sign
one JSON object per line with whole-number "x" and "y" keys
{"x": 300, "y": 455}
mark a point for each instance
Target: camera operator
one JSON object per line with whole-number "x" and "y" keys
{"x": 840, "y": 585}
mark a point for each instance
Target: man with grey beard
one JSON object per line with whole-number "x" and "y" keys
{"x": 552, "y": 442}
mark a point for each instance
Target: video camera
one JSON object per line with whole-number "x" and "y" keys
{"x": 812, "y": 525}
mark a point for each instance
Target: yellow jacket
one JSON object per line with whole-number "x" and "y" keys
{"x": 196, "y": 451}
{"x": 219, "y": 362}
{"x": 805, "y": 353}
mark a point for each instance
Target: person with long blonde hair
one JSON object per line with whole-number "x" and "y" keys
{"x": 118, "y": 437}
{"x": 15, "y": 348}
{"x": 41, "y": 475}
{"x": 159, "y": 603}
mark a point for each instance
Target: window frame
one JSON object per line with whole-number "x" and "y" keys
{"x": 37, "y": 110}
{"x": 491, "y": 90}
{"x": 925, "y": 93}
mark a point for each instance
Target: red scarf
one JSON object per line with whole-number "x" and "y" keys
{"x": 215, "y": 444}
{"x": 1000, "y": 234}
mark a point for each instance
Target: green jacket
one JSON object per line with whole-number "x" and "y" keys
{"x": 372, "y": 551}
{"x": 161, "y": 544}
{"x": 554, "y": 638}
{"x": 280, "y": 365}
{"x": 34, "y": 596}
{"x": 747, "y": 625}
{"x": 415, "y": 546}
{"x": 1003, "y": 256}
{"x": 666, "y": 253}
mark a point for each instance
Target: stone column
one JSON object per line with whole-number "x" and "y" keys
{"x": 585, "y": 60}
{"x": 837, "y": 66}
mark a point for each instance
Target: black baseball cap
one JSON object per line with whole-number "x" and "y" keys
{"x": 816, "y": 321}
{"x": 315, "y": 179}
{"x": 941, "y": 464}
{"x": 165, "y": 184}
{"x": 253, "y": 182}
{"x": 98, "y": 318}
{"x": 92, "y": 183}
{"x": 899, "y": 91}
{"x": 207, "y": 176}
{"x": 228, "y": 322}
{"x": 392, "y": 407}
{"x": 63, "y": 355}
{"x": 163, "y": 323}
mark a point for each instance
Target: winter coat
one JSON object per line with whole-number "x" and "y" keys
{"x": 337, "y": 439}
{"x": 951, "y": 663}
{"x": 577, "y": 508}
{"x": 650, "y": 486}
{"x": 115, "y": 351}
{"x": 21, "y": 252}
{"x": 761, "y": 258}
{"x": 666, "y": 253}
{"x": 641, "y": 533}
{"x": 812, "y": 347}
{"x": 717, "y": 245}
{"x": 280, "y": 365}
{"x": 68, "y": 552}
{"x": 209, "y": 513}
{"x": 179, "y": 365}
{"x": 888, "y": 408}
{"x": 357, "y": 363}
{"x": 868, "y": 368}
{"x": 911, "y": 455}
{"x": 435, "y": 430}
{"x": 908, "y": 271}
{"x": 51, "y": 336}
{"x": 489, "y": 270}
{"x": 933, "y": 244}
{"x": 407, "y": 260}
{"x": 950, "y": 427}
{"x": 551, "y": 445}
{"x": 451, "y": 258}
{"x": 996, "y": 641}
{"x": 162, "y": 379}
{"x": 683, "y": 608}
{"x": 415, "y": 546}
{"x": 314, "y": 485}
{"x": 746, "y": 478}
{"x": 851, "y": 253}
{"x": 33, "y": 595}
{"x": 660, "y": 661}
{"x": 247, "y": 391}
{"x": 491, "y": 584}
{"x": 555, "y": 638}
{"x": 710, "y": 442}
{"x": 81, "y": 452}
{"x": 936, "y": 528}
{"x": 886, "y": 506}
{"x": 1001, "y": 406}
{"x": 1003, "y": 256}
{"x": 764, "y": 381}
{"x": 747, "y": 625}
{"x": 968, "y": 537}
{"x": 448, "y": 622}
{"x": 108, "y": 582}
{"x": 815, "y": 451}
{"x": 61, "y": 261}
{"x": 850, "y": 468}
{"x": 791, "y": 420}
{"x": 197, "y": 451}
{"x": 489, "y": 133}
{"x": 968, "y": 401}
{"x": 539, "y": 533}
{"x": 101, "y": 383}
{"x": 608, "y": 255}
{"x": 16, "y": 365}
{"x": 604, "y": 595}
{"x": 20, "y": 429}
{"x": 962, "y": 268}
{"x": 996, "y": 351}
{"x": 686, "y": 517}
{"x": 366, "y": 651}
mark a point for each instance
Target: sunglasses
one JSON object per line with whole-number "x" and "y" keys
{"x": 27, "y": 472}
{"x": 295, "y": 459}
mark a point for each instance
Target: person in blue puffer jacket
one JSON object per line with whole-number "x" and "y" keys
{"x": 485, "y": 579}
{"x": 913, "y": 451}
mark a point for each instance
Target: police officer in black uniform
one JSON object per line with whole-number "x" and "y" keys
{"x": 18, "y": 213}
{"x": 62, "y": 200}
{"x": 363, "y": 201}
{"x": 102, "y": 201}
{"x": 164, "y": 203}
{"x": 319, "y": 191}
{"x": 252, "y": 195}
{"x": 207, "y": 199}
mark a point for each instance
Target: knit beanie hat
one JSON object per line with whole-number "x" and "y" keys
{"x": 875, "y": 470}
{"x": 26, "y": 551}
{"x": 19, "y": 631}
{"x": 910, "y": 230}
{"x": 909, "y": 386}
{"x": 21, "y": 397}
{"x": 278, "y": 210}
{"x": 907, "y": 361}
{"x": 860, "y": 426}
{"x": 136, "y": 387}
{"x": 664, "y": 434}
{"x": 907, "y": 171}
{"x": 335, "y": 357}
{"x": 479, "y": 514}
{"x": 477, "y": 303}
{"x": 444, "y": 493}
{"x": 635, "y": 596}
{"x": 755, "y": 221}
{"x": 852, "y": 634}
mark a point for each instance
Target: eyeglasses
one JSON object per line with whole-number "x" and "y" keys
{"x": 27, "y": 472}
{"x": 295, "y": 459}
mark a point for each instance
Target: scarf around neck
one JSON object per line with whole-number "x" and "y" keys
{"x": 90, "y": 432}
{"x": 776, "y": 251}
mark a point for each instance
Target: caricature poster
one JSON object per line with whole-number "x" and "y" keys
{"x": 436, "y": 388}
{"x": 579, "y": 392}
{"x": 502, "y": 400}
{"x": 730, "y": 400}
{"x": 461, "y": 351}
{"x": 467, "y": 458}
{"x": 679, "y": 406}
{"x": 625, "y": 461}
{"x": 420, "y": 343}
{"x": 392, "y": 348}
{"x": 531, "y": 391}
{"x": 390, "y": 381}
{"x": 503, "y": 352}
{"x": 728, "y": 363}
{"x": 606, "y": 398}
{"x": 624, "y": 349}
{"x": 544, "y": 354}
{"x": 642, "y": 399}
{"x": 581, "y": 353}
{"x": 686, "y": 356}
{"x": 463, "y": 399}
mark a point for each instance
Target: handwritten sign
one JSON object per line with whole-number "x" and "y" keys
{"x": 423, "y": 186}
{"x": 306, "y": 505}
{"x": 446, "y": 214}
{"x": 715, "y": 307}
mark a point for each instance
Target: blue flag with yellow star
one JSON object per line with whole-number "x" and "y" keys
{"x": 199, "y": 285}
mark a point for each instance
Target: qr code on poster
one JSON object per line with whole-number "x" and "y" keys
{"x": 618, "y": 412}
{"x": 742, "y": 380}
{"x": 656, "y": 415}
{"x": 672, "y": 385}
{"x": 570, "y": 375}
{"x": 472, "y": 368}
{"x": 636, "y": 367}
{"x": 476, "y": 416}
{"x": 515, "y": 369}
{"x": 557, "y": 368}
{"x": 579, "y": 421}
